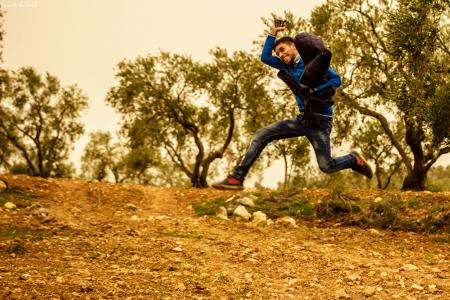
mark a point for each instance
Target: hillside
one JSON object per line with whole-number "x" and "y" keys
{"x": 71, "y": 239}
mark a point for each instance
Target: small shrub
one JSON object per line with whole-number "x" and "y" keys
{"x": 333, "y": 208}
{"x": 208, "y": 209}
{"x": 16, "y": 248}
{"x": 385, "y": 214}
{"x": 19, "y": 197}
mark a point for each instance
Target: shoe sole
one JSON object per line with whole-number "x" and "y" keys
{"x": 356, "y": 154}
{"x": 227, "y": 187}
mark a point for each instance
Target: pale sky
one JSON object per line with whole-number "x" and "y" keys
{"x": 81, "y": 41}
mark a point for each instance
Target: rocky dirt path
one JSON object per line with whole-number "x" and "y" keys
{"x": 82, "y": 240}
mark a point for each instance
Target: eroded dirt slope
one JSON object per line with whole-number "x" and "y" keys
{"x": 71, "y": 239}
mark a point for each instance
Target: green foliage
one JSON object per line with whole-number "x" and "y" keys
{"x": 439, "y": 179}
{"x": 19, "y": 197}
{"x": 189, "y": 111}
{"x": 40, "y": 120}
{"x": 99, "y": 156}
{"x": 385, "y": 214}
{"x": 427, "y": 213}
{"x": 2, "y": 33}
{"x": 185, "y": 235}
{"x": 24, "y": 233}
{"x": 208, "y": 208}
{"x": 394, "y": 59}
{"x": 376, "y": 147}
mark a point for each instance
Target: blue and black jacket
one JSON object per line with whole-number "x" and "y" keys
{"x": 296, "y": 71}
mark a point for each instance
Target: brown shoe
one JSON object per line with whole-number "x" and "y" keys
{"x": 361, "y": 165}
{"x": 230, "y": 183}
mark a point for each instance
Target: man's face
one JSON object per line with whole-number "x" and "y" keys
{"x": 287, "y": 52}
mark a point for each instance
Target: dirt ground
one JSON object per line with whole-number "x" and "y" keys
{"x": 88, "y": 240}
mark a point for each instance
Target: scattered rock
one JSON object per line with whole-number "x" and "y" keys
{"x": 134, "y": 218}
{"x": 222, "y": 213}
{"x": 417, "y": 287}
{"x": 25, "y": 276}
{"x": 242, "y": 212}
{"x": 293, "y": 281}
{"x": 353, "y": 277}
{"x": 60, "y": 279}
{"x": 259, "y": 217}
{"x": 253, "y": 197}
{"x": 177, "y": 249}
{"x": 435, "y": 270}
{"x": 232, "y": 198}
{"x": 375, "y": 232}
{"x": 377, "y": 199}
{"x": 369, "y": 291}
{"x": 432, "y": 288}
{"x": 131, "y": 206}
{"x": 42, "y": 211}
{"x": 409, "y": 267}
{"x": 181, "y": 287}
{"x": 3, "y": 186}
{"x": 10, "y": 205}
{"x": 286, "y": 222}
{"x": 247, "y": 202}
{"x": 341, "y": 293}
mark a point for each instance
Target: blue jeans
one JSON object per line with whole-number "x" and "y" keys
{"x": 316, "y": 128}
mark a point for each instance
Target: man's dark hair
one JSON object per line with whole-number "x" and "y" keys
{"x": 284, "y": 39}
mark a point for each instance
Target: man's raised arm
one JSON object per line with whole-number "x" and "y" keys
{"x": 266, "y": 55}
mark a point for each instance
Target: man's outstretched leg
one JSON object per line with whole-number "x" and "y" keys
{"x": 319, "y": 136}
{"x": 275, "y": 131}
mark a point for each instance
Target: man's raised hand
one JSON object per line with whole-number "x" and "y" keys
{"x": 279, "y": 25}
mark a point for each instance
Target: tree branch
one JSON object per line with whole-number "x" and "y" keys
{"x": 177, "y": 159}
{"x": 431, "y": 162}
{"x": 385, "y": 124}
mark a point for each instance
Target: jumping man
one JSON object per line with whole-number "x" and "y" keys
{"x": 303, "y": 64}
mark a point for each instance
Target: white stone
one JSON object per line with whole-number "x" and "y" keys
{"x": 375, "y": 232}
{"x": 353, "y": 277}
{"x": 3, "y": 186}
{"x": 242, "y": 212}
{"x": 377, "y": 199}
{"x": 269, "y": 222}
{"x": 435, "y": 270}
{"x": 341, "y": 293}
{"x": 432, "y": 288}
{"x": 131, "y": 206}
{"x": 222, "y": 213}
{"x": 25, "y": 276}
{"x": 259, "y": 217}
{"x": 247, "y": 202}
{"x": 409, "y": 267}
{"x": 42, "y": 211}
{"x": 10, "y": 205}
{"x": 417, "y": 287}
{"x": 134, "y": 218}
{"x": 60, "y": 279}
{"x": 232, "y": 198}
{"x": 369, "y": 291}
{"x": 286, "y": 222}
{"x": 181, "y": 287}
{"x": 177, "y": 249}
